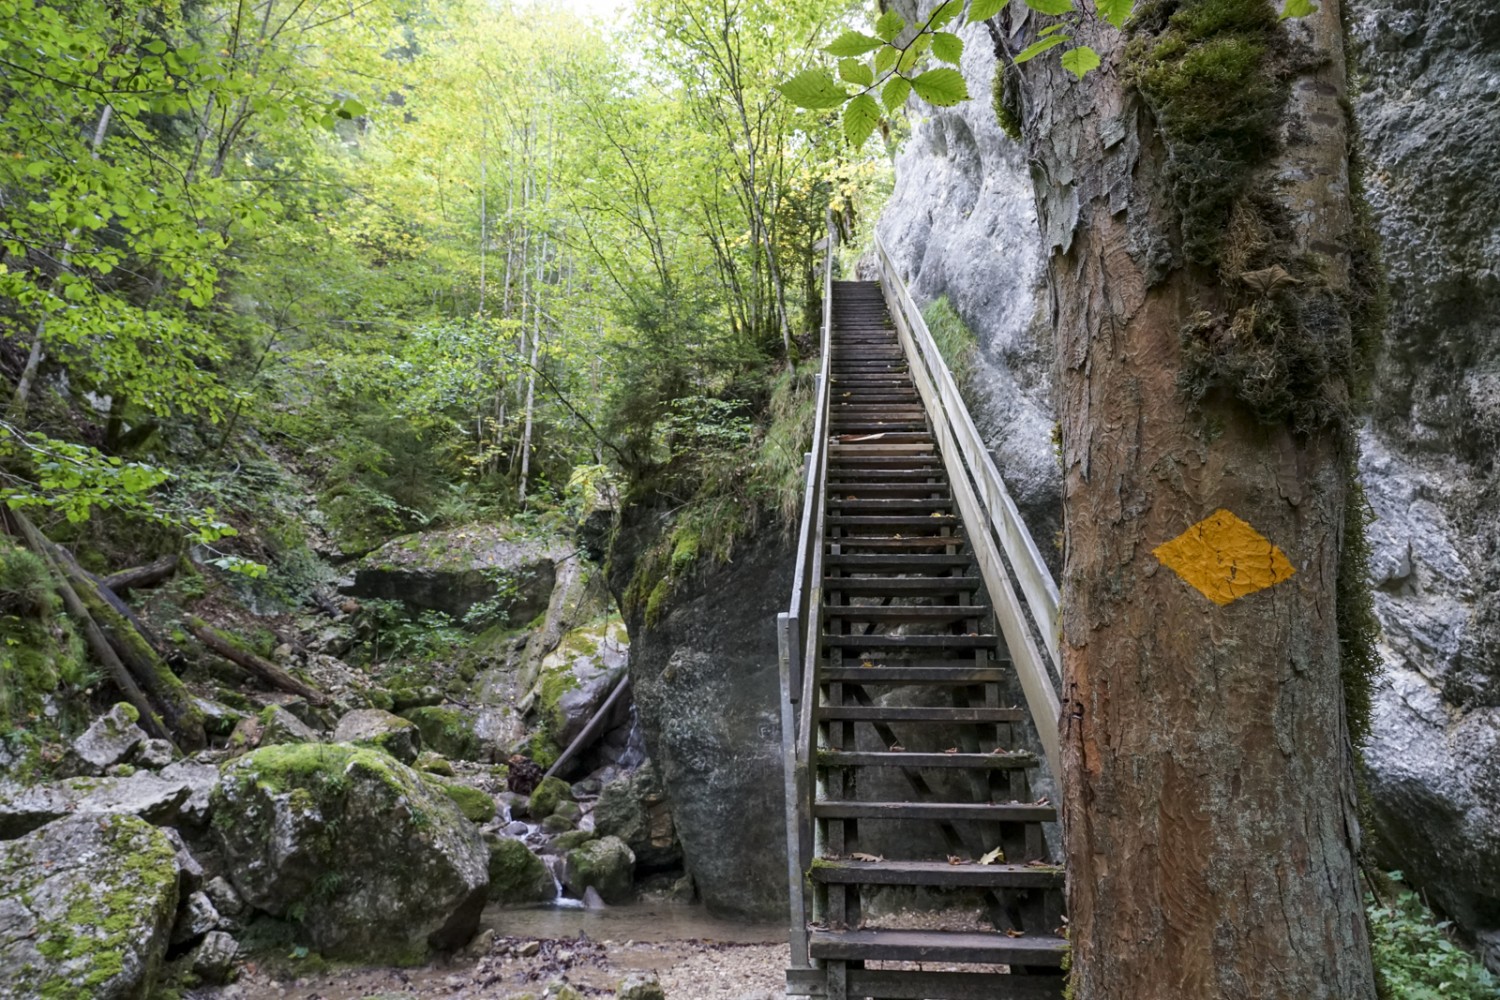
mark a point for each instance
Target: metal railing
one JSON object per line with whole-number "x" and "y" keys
{"x": 997, "y": 535}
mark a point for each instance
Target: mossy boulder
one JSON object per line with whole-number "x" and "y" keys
{"x": 545, "y": 798}
{"x": 376, "y": 728}
{"x": 446, "y": 730}
{"x": 517, "y": 876}
{"x": 565, "y": 842}
{"x": 277, "y": 725}
{"x": 606, "y": 865}
{"x": 634, "y": 808}
{"x": 477, "y": 806}
{"x": 451, "y": 571}
{"x": 370, "y": 859}
{"x": 86, "y": 908}
{"x": 578, "y": 676}
{"x": 434, "y": 763}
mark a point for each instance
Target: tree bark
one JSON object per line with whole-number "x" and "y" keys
{"x": 141, "y": 576}
{"x": 1209, "y": 809}
{"x": 264, "y": 669}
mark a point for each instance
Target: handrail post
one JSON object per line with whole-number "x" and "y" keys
{"x": 786, "y": 629}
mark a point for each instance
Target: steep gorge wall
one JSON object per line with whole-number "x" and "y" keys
{"x": 961, "y": 223}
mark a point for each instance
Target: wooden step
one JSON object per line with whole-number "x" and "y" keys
{"x": 885, "y": 435}
{"x": 938, "y": 873}
{"x": 908, "y": 713}
{"x": 896, "y": 643}
{"x": 875, "y": 449}
{"x": 881, "y": 543}
{"x": 841, "y": 475}
{"x": 929, "y": 614}
{"x": 918, "y": 586}
{"x": 877, "y": 462}
{"x": 937, "y": 946}
{"x": 896, "y": 522}
{"x": 1017, "y": 761}
{"x": 957, "y": 676}
{"x": 898, "y": 562}
{"x": 893, "y": 984}
{"x": 995, "y": 812}
{"x": 877, "y": 491}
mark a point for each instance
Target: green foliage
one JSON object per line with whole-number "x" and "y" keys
{"x": 955, "y": 341}
{"x": 1416, "y": 955}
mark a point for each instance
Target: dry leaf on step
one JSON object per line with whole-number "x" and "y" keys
{"x": 997, "y": 856}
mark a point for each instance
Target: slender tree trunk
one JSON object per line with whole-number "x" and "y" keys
{"x": 1209, "y": 804}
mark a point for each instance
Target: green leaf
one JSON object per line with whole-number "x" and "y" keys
{"x": 1116, "y": 12}
{"x": 897, "y": 89}
{"x": 1032, "y": 51}
{"x": 815, "y": 89}
{"x": 1080, "y": 61}
{"x": 1050, "y": 6}
{"x": 947, "y": 47}
{"x": 944, "y": 14}
{"x": 156, "y": 46}
{"x": 889, "y": 25}
{"x": 352, "y": 109}
{"x": 852, "y": 43}
{"x": 856, "y": 72}
{"x": 886, "y": 58}
{"x": 861, "y": 115}
{"x": 944, "y": 87}
{"x": 1297, "y": 8}
{"x": 1052, "y": 29}
{"x": 983, "y": 10}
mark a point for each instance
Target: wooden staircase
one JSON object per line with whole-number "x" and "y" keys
{"x": 906, "y": 716}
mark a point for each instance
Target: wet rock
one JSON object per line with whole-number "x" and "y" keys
{"x": 451, "y": 571}
{"x": 606, "y": 865}
{"x": 579, "y": 675}
{"x": 634, "y": 808}
{"x": 278, "y": 725}
{"x": 477, "y": 806}
{"x": 213, "y": 959}
{"x": 383, "y": 730}
{"x": 548, "y": 795}
{"x": 109, "y": 740}
{"x": 86, "y": 904}
{"x": 569, "y": 839}
{"x": 197, "y": 918}
{"x": 592, "y": 900}
{"x": 570, "y": 811}
{"x": 376, "y": 861}
{"x": 640, "y": 986}
{"x": 517, "y": 875}
{"x": 152, "y": 798}
{"x": 557, "y": 824}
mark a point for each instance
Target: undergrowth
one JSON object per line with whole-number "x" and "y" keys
{"x": 1416, "y": 956}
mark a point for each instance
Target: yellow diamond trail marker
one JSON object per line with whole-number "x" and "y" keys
{"x": 1224, "y": 558}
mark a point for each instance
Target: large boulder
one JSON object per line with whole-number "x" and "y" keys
{"x": 109, "y": 740}
{"x": 634, "y": 808}
{"x": 517, "y": 875}
{"x": 86, "y": 908}
{"x": 452, "y": 571}
{"x": 155, "y": 799}
{"x": 447, "y": 729}
{"x": 370, "y": 858}
{"x": 579, "y": 675}
{"x": 606, "y": 865}
{"x": 382, "y": 730}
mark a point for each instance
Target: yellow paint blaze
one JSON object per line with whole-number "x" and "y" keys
{"x": 1224, "y": 558}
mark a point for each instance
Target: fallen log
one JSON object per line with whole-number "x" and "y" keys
{"x": 260, "y": 667}
{"x": 589, "y": 731}
{"x": 93, "y": 635}
{"x": 141, "y": 576}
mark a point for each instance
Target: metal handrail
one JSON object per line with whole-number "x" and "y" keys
{"x": 993, "y": 524}
{"x": 796, "y": 631}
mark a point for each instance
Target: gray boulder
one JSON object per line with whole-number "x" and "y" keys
{"x": 372, "y": 860}
{"x": 277, "y": 725}
{"x": 451, "y": 571}
{"x": 109, "y": 740}
{"x": 86, "y": 906}
{"x": 640, "y": 986}
{"x": 606, "y": 865}
{"x": 213, "y": 959}
{"x": 578, "y": 676}
{"x": 383, "y": 730}
{"x": 517, "y": 875}
{"x": 634, "y": 808}
{"x": 201, "y": 778}
{"x": 197, "y": 918}
{"x": 154, "y": 799}
{"x": 154, "y": 754}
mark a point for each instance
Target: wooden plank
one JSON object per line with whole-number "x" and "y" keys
{"x": 932, "y": 586}
{"x": 888, "y": 984}
{"x": 905, "y": 713}
{"x": 938, "y": 946}
{"x": 940, "y": 873}
{"x": 953, "y": 761}
{"x": 905, "y": 613}
{"x": 939, "y": 676}
{"x": 899, "y": 642}
{"x": 1008, "y": 812}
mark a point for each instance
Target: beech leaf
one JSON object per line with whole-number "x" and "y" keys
{"x": 943, "y": 87}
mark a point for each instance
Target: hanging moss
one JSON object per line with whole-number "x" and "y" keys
{"x": 1006, "y": 101}
{"x": 1205, "y": 70}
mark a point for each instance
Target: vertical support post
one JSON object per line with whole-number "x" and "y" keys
{"x": 788, "y": 642}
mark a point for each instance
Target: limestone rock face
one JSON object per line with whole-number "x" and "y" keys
{"x": 86, "y": 907}
{"x": 706, "y": 688}
{"x": 451, "y": 571}
{"x": 606, "y": 865}
{"x": 634, "y": 808}
{"x": 1431, "y": 131}
{"x": 372, "y": 859}
{"x": 155, "y": 799}
{"x": 382, "y": 730}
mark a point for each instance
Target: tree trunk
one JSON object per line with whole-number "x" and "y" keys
{"x": 1209, "y": 802}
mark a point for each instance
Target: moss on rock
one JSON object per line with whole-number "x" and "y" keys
{"x": 517, "y": 876}
{"x": 547, "y": 795}
{"x": 446, "y": 730}
{"x": 476, "y": 806}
